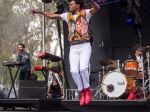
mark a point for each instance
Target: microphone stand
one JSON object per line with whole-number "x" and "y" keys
{"x": 140, "y": 37}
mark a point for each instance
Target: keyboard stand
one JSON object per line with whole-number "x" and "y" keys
{"x": 13, "y": 81}
{"x": 9, "y": 65}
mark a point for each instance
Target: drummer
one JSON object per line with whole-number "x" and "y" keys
{"x": 137, "y": 57}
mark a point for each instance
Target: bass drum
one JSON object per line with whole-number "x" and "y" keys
{"x": 117, "y": 85}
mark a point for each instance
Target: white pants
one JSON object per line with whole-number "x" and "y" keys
{"x": 79, "y": 59}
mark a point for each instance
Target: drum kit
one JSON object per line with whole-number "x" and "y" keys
{"x": 122, "y": 80}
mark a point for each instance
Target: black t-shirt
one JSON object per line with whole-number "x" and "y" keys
{"x": 55, "y": 89}
{"x": 33, "y": 77}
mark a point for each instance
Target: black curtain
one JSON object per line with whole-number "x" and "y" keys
{"x": 101, "y": 42}
{"x": 122, "y": 38}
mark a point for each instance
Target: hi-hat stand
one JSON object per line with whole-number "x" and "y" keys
{"x": 99, "y": 88}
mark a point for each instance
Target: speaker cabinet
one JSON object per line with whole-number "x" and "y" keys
{"x": 32, "y": 90}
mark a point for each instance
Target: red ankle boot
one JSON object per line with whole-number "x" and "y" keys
{"x": 87, "y": 95}
{"x": 82, "y": 97}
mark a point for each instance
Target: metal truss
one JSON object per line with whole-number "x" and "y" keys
{"x": 65, "y": 3}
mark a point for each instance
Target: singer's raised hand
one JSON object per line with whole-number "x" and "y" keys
{"x": 95, "y": 6}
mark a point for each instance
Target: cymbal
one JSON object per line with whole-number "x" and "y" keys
{"x": 105, "y": 62}
{"x": 97, "y": 70}
{"x": 141, "y": 49}
{"x": 113, "y": 64}
{"x": 109, "y": 62}
{"x": 145, "y": 49}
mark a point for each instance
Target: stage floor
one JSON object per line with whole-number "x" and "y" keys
{"x": 47, "y": 105}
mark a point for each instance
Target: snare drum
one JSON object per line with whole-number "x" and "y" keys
{"x": 131, "y": 68}
{"x": 115, "y": 84}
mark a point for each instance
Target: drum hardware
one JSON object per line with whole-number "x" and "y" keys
{"x": 140, "y": 47}
{"x": 100, "y": 69}
{"x": 147, "y": 49}
{"x": 146, "y": 86}
{"x": 109, "y": 62}
{"x": 118, "y": 66}
{"x": 99, "y": 88}
{"x": 107, "y": 89}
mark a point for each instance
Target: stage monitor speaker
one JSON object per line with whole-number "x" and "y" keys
{"x": 32, "y": 90}
{"x": 148, "y": 102}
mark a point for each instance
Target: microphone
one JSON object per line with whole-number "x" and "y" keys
{"x": 129, "y": 56}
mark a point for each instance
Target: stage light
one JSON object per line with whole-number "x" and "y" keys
{"x": 133, "y": 17}
{"x": 130, "y": 22}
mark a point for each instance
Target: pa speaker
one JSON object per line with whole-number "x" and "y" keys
{"x": 32, "y": 90}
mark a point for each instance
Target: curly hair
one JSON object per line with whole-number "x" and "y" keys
{"x": 80, "y": 2}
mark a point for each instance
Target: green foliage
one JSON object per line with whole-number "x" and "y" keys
{"x": 39, "y": 73}
{"x": 18, "y": 25}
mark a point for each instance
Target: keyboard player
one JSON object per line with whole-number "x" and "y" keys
{"x": 24, "y": 56}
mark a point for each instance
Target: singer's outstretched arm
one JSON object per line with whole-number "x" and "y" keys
{"x": 47, "y": 14}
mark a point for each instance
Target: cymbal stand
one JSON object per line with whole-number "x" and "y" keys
{"x": 140, "y": 38}
{"x": 118, "y": 68}
{"x": 148, "y": 68}
{"x": 99, "y": 88}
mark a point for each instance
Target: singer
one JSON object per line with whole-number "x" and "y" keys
{"x": 24, "y": 56}
{"x": 80, "y": 50}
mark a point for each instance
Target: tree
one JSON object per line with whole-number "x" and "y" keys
{"x": 18, "y": 25}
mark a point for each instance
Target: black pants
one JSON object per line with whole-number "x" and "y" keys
{"x": 24, "y": 75}
{"x": 55, "y": 91}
